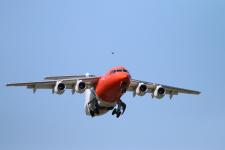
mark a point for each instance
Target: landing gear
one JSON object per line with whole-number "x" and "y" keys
{"x": 92, "y": 113}
{"x": 121, "y": 106}
{"x": 94, "y": 108}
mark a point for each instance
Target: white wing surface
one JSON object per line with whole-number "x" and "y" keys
{"x": 157, "y": 90}
{"x": 69, "y": 82}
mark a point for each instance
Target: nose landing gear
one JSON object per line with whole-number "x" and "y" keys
{"x": 121, "y": 107}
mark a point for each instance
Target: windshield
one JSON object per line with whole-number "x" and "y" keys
{"x": 118, "y": 70}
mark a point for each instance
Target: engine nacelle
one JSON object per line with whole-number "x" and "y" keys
{"x": 159, "y": 92}
{"x": 141, "y": 89}
{"x": 59, "y": 88}
{"x": 80, "y": 86}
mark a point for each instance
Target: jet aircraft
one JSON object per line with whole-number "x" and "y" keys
{"x": 103, "y": 93}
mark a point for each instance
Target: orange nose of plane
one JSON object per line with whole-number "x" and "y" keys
{"x": 124, "y": 76}
{"x": 125, "y": 81}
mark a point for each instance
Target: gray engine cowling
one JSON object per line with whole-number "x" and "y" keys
{"x": 141, "y": 89}
{"x": 59, "y": 88}
{"x": 159, "y": 92}
{"x": 80, "y": 86}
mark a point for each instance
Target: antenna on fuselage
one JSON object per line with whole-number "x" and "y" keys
{"x": 87, "y": 74}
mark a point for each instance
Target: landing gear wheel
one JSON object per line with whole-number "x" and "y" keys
{"x": 123, "y": 106}
{"x": 96, "y": 110}
{"x": 114, "y": 111}
{"x": 118, "y": 114}
{"x": 92, "y": 113}
{"x": 94, "y": 107}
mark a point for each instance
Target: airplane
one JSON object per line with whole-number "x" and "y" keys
{"x": 103, "y": 93}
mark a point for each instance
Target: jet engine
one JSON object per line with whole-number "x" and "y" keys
{"x": 59, "y": 88}
{"x": 159, "y": 92}
{"x": 141, "y": 89}
{"x": 80, "y": 86}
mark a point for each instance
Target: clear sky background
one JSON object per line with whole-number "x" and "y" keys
{"x": 178, "y": 43}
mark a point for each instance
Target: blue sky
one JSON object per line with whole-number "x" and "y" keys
{"x": 179, "y": 43}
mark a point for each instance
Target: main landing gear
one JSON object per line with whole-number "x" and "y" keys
{"x": 121, "y": 107}
{"x": 95, "y": 109}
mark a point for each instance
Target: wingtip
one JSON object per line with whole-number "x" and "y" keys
{"x": 11, "y": 84}
{"x": 197, "y": 93}
{"x": 7, "y": 84}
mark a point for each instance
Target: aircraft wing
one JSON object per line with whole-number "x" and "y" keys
{"x": 151, "y": 87}
{"x": 68, "y": 77}
{"x": 69, "y": 82}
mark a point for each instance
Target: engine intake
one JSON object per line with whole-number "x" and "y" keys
{"x": 159, "y": 92}
{"x": 141, "y": 89}
{"x": 80, "y": 86}
{"x": 59, "y": 88}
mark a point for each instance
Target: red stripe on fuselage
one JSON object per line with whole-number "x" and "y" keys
{"x": 112, "y": 86}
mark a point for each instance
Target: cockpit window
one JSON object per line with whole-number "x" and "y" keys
{"x": 113, "y": 71}
{"x": 118, "y": 70}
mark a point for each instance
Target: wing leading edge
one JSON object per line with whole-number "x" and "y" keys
{"x": 91, "y": 80}
{"x": 50, "y": 84}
